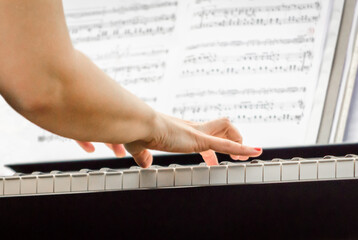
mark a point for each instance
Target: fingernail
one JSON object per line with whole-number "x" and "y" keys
{"x": 258, "y": 149}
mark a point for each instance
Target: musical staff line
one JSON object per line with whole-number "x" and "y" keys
{"x": 237, "y": 92}
{"x": 256, "y": 21}
{"x": 115, "y": 33}
{"x": 255, "y": 16}
{"x": 253, "y": 11}
{"x": 90, "y": 12}
{"x": 245, "y": 105}
{"x": 245, "y": 69}
{"x": 125, "y": 54}
{"x": 261, "y": 111}
{"x": 300, "y": 39}
{"x": 265, "y": 56}
{"x": 89, "y": 25}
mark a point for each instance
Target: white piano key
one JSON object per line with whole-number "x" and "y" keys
{"x": 148, "y": 178}
{"x": 1, "y": 186}
{"x": 308, "y": 169}
{"x": 236, "y": 173}
{"x": 165, "y": 177}
{"x": 254, "y": 172}
{"x": 96, "y": 181}
{"x": 28, "y": 184}
{"x": 272, "y": 171}
{"x": 62, "y": 182}
{"x": 79, "y": 182}
{"x": 114, "y": 180}
{"x": 355, "y": 159}
{"x": 200, "y": 175}
{"x": 12, "y": 185}
{"x": 345, "y": 168}
{"x": 218, "y": 174}
{"x": 45, "y": 183}
{"x": 131, "y": 179}
{"x": 327, "y": 169}
{"x": 183, "y": 176}
{"x": 290, "y": 171}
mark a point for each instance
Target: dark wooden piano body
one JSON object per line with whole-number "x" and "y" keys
{"x": 297, "y": 210}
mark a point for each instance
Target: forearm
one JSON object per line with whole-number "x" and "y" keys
{"x": 61, "y": 90}
{"x": 87, "y": 105}
{"x": 50, "y": 83}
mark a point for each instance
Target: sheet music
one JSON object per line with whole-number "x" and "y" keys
{"x": 260, "y": 68}
{"x": 255, "y": 62}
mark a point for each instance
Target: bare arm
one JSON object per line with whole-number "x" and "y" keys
{"x": 58, "y": 88}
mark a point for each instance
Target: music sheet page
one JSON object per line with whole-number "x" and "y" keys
{"x": 255, "y": 62}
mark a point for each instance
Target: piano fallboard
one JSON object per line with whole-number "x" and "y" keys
{"x": 324, "y": 209}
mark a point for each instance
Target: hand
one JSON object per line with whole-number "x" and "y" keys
{"x": 176, "y": 135}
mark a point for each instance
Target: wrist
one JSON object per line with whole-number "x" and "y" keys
{"x": 155, "y": 127}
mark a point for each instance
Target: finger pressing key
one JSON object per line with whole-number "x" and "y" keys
{"x": 210, "y": 157}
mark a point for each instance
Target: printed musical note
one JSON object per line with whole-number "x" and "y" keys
{"x": 46, "y": 137}
{"x": 87, "y": 25}
{"x": 254, "y": 62}
{"x": 269, "y": 42}
{"x": 209, "y": 17}
{"x": 245, "y": 111}
{"x": 212, "y": 93}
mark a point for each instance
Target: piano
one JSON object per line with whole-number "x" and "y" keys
{"x": 306, "y": 192}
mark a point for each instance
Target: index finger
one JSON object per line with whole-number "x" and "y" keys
{"x": 229, "y": 147}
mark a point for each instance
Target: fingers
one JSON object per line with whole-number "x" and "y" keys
{"x": 118, "y": 149}
{"x": 210, "y": 157}
{"x": 237, "y": 157}
{"x": 229, "y": 147}
{"x": 87, "y": 146}
{"x": 224, "y": 129}
{"x": 144, "y": 158}
{"x": 141, "y": 155}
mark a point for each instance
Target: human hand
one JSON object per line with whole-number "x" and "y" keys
{"x": 175, "y": 135}
{"x": 171, "y": 134}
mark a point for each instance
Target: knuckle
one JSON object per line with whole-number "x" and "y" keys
{"x": 200, "y": 145}
{"x": 242, "y": 149}
{"x": 226, "y": 123}
{"x": 226, "y": 120}
{"x": 200, "y": 126}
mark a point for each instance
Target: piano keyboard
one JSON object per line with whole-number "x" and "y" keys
{"x": 172, "y": 176}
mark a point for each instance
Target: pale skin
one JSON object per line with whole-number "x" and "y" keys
{"x": 59, "y": 89}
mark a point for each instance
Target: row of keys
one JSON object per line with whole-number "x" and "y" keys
{"x": 277, "y": 170}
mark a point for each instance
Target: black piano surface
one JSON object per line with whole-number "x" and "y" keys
{"x": 297, "y": 210}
